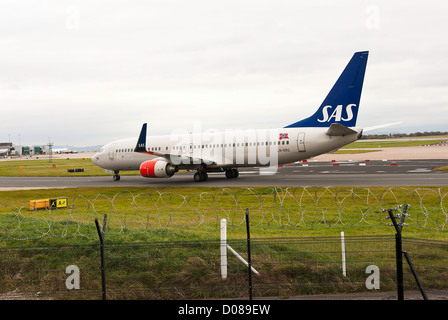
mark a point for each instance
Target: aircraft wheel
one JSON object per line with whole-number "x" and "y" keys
{"x": 200, "y": 176}
{"x": 116, "y": 177}
{"x": 232, "y": 173}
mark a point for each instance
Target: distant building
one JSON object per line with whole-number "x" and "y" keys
{"x": 7, "y": 149}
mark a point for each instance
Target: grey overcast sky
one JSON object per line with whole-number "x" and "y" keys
{"x": 88, "y": 72}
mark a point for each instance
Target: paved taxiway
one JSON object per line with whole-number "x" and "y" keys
{"x": 313, "y": 173}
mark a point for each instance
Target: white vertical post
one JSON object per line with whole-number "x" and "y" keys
{"x": 344, "y": 271}
{"x": 223, "y": 249}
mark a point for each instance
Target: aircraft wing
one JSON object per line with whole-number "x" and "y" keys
{"x": 176, "y": 158}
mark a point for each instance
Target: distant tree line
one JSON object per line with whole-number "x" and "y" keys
{"x": 404, "y": 135}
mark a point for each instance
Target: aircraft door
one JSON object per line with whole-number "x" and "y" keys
{"x": 301, "y": 142}
{"x": 112, "y": 152}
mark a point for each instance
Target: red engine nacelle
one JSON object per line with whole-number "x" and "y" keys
{"x": 157, "y": 168}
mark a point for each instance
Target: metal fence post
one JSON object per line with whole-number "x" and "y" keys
{"x": 398, "y": 251}
{"x": 248, "y": 254}
{"x": 399, "y": 246}
{"x": 399, "y": 257}
{"x": 101, "y": 234}
{"x": 417, "y": 279}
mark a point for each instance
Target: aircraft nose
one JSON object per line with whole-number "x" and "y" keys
{"x": 96, "y": 158}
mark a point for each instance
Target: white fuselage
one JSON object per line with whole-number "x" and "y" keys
{"x": 328, "y": 128}
{"x": 220, "y": 150}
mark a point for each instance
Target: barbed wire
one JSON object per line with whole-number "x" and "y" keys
{"x": 268, "y": 207}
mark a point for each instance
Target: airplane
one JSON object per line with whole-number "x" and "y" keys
{"x": 4, "y": 152}
{"x": 7, "y": 151}
{"x": 63, "y": 150}
{"x": 332, "y": 126}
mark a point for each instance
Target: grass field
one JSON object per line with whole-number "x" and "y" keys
{"x": 181, "y": 256}
{"x": 55, "y": 168}
{"x": 196, "y": 212}
{"x": 391, "y": 143}
{"x": 353, "y": 151}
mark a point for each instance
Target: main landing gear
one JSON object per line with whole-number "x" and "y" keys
{"x": 200, "y": 176}
{"x": 232, "y": 173}
{"x": 203, "y": 176}
{"x": 116, "y": 175}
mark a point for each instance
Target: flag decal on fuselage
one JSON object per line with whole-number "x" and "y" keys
{"x": 283, "y": 136}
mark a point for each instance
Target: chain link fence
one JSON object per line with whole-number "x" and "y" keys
{"x": 286, "y": 267}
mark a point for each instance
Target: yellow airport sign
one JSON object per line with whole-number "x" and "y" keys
{"x": 57, "y": 203}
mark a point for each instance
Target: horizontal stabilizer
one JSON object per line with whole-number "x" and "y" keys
{"x": 337, "y": 129}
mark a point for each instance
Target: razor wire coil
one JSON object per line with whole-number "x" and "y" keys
{"x": 268, "y": 207}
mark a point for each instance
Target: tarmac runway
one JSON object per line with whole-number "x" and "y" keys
{"x": 354, "y": 173}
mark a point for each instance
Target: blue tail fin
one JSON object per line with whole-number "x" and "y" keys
{"x": 342, "y": 102}
{"x": 141, "y": 142}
